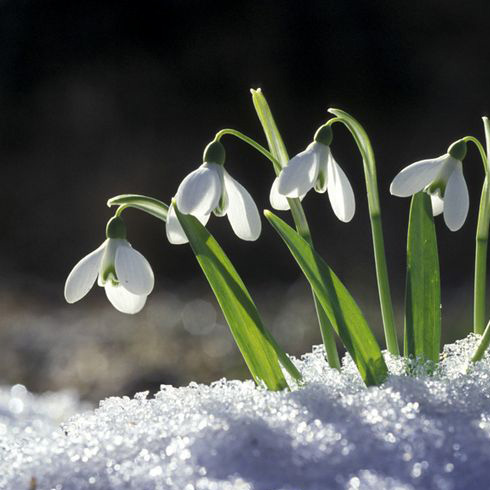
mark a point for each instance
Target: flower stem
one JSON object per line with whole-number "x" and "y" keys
{"x": 481, "y": 246}
{"x": 483, "y": 345}
{"x": 252, "y": 143}
{"x": 326, "y": 328}
{"x": 369, "y": 163}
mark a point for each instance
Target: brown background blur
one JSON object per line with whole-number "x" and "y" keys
{"x": 99, "y": 98}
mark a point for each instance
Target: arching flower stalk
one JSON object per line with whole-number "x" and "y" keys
{"x": 369, "y": 165}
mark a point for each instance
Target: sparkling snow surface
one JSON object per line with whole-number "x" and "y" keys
{"x": 333, "y": 433}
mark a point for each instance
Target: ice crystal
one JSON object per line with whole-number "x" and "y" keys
{"x": 423, "y": 431}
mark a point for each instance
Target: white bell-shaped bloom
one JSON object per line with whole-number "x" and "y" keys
{"x": 442, "y": 178}
{"x": 211, "y": 189}
{"x": 315, "y": 167}
{"x": 123, "y": 272}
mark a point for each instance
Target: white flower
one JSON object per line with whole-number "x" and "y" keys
{"x": 315, "y": 167}
{"x": 123, "y": 272}
{"x": 442, "y": 178}
{"x": 211, "y": 189}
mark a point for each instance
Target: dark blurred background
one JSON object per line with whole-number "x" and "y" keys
{"x": 99, "y": 98}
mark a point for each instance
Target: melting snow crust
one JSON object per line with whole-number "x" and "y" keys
{"x": 422, "y": 432}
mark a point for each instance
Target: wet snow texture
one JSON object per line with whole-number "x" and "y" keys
{"x": 412, "y": 433}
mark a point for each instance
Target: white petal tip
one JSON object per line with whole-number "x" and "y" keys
{"x": 133, "y": 270}
{"x": 242, "y": 211}
{"x": 123, "y": 300}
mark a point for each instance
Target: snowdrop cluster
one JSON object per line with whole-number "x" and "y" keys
{"x": 127, "y": 277}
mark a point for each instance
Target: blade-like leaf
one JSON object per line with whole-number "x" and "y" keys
{"x": 147, "y": 204}
{"x": 423, "y": 289}
{"x": 259, "y": 349}
{"x": 341, "y": 309}
{"x": 274, "y": 140}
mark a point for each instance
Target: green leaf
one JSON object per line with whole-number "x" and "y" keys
{"x": 423, "y": 289}
{"x": 259, "y": 349}
{"x": 147, "y": 204}
{"x": 341, "y": 309}
{"x": 274, "y": 140}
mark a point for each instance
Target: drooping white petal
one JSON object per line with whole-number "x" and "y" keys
{"x": 340, "y": 191}
{"x": 456, "y": 199}
{"x": 278, "y": 201}
{"x": 300, "y": 174}
{"x": 123, "y": 300}
{"x": 83, "y": 275}
{"x": 133, "y": 270}
{"x": 175, "y": 232}
{"x": 242, "y": 212}
{"x": 415, "y": 177}
{"x": 200, "y": 191}
{"x": 437, "y": 204}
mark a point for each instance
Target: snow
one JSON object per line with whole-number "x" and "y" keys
{"x": 423, "y": 432}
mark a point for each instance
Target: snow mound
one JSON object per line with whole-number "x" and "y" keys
{"x": 424, "y": 432}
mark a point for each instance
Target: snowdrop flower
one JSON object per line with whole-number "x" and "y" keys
{"x": 315, "y": 168}
{"x": 211, "y": 189}
{"x": 123, "y": 272}
{"x": 442, "y": 178}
